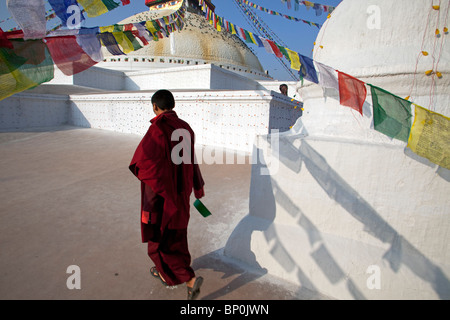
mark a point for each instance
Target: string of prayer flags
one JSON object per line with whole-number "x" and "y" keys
{"x": 24, "y": 66}
{"x": 96, "y": 8}
{"x": 68, "y": 55}
{"x": 270, "y": 46}
{"x": 352, "y": 92}
{"x": 30, "y": 16}
{"x": 430, "y": 136}
{"x": 319, "y": 8}
{"x": 275, "y": 13}
{"x": 391, "y": 114}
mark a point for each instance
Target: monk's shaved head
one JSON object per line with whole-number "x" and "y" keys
{"x": 163, "y": 99}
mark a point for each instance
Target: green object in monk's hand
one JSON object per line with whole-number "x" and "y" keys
{"x": 201, "y": 208}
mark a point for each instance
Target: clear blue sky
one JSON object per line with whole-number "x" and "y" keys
{"x": 296, "y": 36}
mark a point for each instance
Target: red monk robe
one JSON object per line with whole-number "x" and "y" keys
{"x": 165, "y": 194}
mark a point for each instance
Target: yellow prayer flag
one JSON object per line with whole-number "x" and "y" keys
{"x": 252, "y": 38}
{"x": 295, "y": 59}
{"x": 430, "y": 136}
{"x": 233, "y": 29}
{"x": 123, "y": 41}
{"x": 107, "y": 29}
{"x": 93, "y": 8}
{"x": 14, "y": 82}
{"x": 149, "y": 25}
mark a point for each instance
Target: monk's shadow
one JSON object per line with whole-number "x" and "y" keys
{"x": 217, "y": 262}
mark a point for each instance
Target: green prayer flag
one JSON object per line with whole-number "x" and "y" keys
{"x": 132, "y": 38}
{"x": 25, "y": 66}
{"x": 248, "y": 39}
{"x": 110, "y": 4}
{"x": 391, "y": 114}
{"x": 285, "y": 53}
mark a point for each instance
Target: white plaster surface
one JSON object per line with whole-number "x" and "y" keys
{"x": 342, "y": 197}
{"x": 324, "y": 219}
{"x": 225, "y": 109}
{"x": 224, "y": 119}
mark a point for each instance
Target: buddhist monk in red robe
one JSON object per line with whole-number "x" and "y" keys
{"x": 164, "y": 162}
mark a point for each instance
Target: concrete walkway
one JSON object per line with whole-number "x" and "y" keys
{"x": 68, "y": 198}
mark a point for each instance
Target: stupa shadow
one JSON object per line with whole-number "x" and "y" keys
{"x": 266, "y": 195}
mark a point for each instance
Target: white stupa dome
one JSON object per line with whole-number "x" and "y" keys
{"x": 197, "y": 43}
{"x": 381, "y": 42}
{"x": 368, "y": 199}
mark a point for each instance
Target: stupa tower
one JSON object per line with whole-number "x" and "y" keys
{"x": 197, "y": 43}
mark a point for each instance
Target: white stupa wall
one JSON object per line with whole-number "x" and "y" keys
{"x": 330, "y": 210}
{"x": 223, "y": 119}
{"x": 346, "y": 210}
{"x": 207, "y": 76}
{"x": 226, "y": 109}
{"x": 33, "y": 110}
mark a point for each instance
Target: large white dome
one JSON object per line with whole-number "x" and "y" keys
{"x": 197, "y": 43}
{"x": 383, "y": 37}
{"x": 381, "y": 42}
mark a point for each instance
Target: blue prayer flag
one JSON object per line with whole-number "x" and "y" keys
{"x": 307, "y": 69}
{"x": 67, "y": 11}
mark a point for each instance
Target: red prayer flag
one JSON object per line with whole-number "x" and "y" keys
{"x": 4, "y": 42}
{"x": 68, "y": 55}
{"x": 136, "y": 33}
{"x": 128, "y": 27}
{"x": 275, "y": 48}
{"x": 352, "y": 92}
{"x": 242, "y": 33}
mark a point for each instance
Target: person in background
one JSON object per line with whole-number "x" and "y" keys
{"x": 284, "y": 89}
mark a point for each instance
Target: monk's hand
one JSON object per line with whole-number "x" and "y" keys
{"x": 199, "y": 193}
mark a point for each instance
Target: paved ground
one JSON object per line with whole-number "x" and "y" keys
{"x": 68, "y": 198}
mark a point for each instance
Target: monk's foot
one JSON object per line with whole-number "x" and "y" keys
{"x": 155, "y": 273}
{"x": 193, "y": 287}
